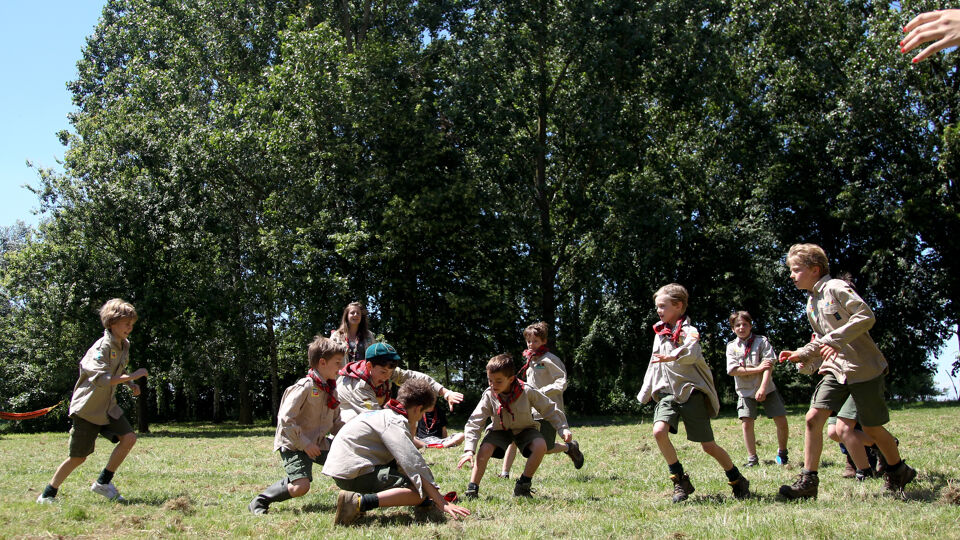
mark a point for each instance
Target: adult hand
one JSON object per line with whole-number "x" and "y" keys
{"x": 942, "y": 27}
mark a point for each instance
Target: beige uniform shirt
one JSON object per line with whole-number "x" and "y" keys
{"x": 94, "y": 397}
{"x": 305, "y": 418}
{"x": 376, "y": 438}
{"x": 548, "y": 374}
{"x": 357, "y": 397}
{"x": 747, "y": 385}
{"x": 841, "y": 319}
{"x": 520, "y": 419}
{"x": 681, "y": 377}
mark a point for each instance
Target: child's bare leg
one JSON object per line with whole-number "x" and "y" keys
{"x": 299, "y": 487}
{"x": 661, "y": 432}
{"x": 749, "y": 437}
{"x": 508, "y": 458}
{"x": 718, "y": 453}
{"x": 783, "y": 432}
{"x": 854, "y": 442}
{"x": 399, "y": 497}
{"x": 121, "y": 450}
{"x": 538, "y": 448}
{"x": 813, "y": 437}
{"x": 64, "y": 470}
{"x": 832, "y": 433}
{"x": 885, "y": 442}
{"x": 558, "y": 447}
{"x": 480, "y": 463}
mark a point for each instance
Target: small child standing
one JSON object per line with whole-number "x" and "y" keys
{"x": 681, "y": 383}
{"x": 509, "y": 403}
{"x": 851, "y": 365}
{"x": 375, "y": 463}
{"x": 750, "y": 359}
{"x": 93, "y": 407}
{"x": 545, "y": 372}
{"x": 308, "y": 411}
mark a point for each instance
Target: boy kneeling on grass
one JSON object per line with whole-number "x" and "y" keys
{"x": 375, "y": 463}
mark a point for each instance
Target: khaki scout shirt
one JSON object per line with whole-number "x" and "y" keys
{"x": 689, "y": 372}
{"x": 94, "y": 397}
{"x": 548, "y": 374}
{"x": 520, "y": 419}
{"x": 747, "y": 385}
{"x": 356, "y": 396}
{"x": 377, "y": 438}
{"x": 841, "y": 319}
{"x": 305, "y": 418}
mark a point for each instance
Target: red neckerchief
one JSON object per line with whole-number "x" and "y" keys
{"x": 530, "y": 354}
{"x": 512, "y": 396}
{"x": 361, "y": 370}
{"x": 396, "y": 407}
{"x": 746, "y": 350}
{"x": 329, "y": 386}
{"x": 661, "y": 329}
{"x": 430, "y": 423}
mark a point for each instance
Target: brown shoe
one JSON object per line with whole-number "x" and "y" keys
{"x": 741, "y": 487}
{"x": 805, "y": 487}
{"x": 850, "y": 471}
{"x": 682, "y": 488}
{"x": 896, "y": 480}
{"x": 348, "y": 508}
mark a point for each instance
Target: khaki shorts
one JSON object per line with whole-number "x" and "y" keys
{"x": 694, "y": 414}
{"x": 297, "y": 464}
{"x": 83, "y": 434}
{"x": 501, "y": 439}
{"x": 747, "y": 407}
{"x": 382, "y": 478}
{"x": 867, "y": 396}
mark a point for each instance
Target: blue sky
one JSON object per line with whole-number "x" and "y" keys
{"x": 41, "y": 43}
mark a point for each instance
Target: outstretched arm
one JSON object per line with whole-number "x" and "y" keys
{"x": 942, "y": 27}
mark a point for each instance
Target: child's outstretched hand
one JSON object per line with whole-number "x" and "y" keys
{"x": 455, "y": 511}
{"x": 566, "y": 435}
{"x": 827, "y": 352}
{"x": 942, "y": 27}
{"x": 788, "y": 356}
{"x": 662, "y": 358}
{"x": 467, "y": 457}
{"x": 452, "y": 397}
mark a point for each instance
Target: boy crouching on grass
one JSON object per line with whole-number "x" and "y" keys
{"x": 509, "y": 403}
{"x": 93, "y": 407}
{"x": 681, "y": 383}
{"x": 851, "y": 365}
{"x": 308, "y": 411}
{"x": 375, "y": 463}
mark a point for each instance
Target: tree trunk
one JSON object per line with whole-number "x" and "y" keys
{"x": 143, "y": 407}
{"x": 274, "y": 368}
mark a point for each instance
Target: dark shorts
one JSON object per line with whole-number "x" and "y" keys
{"x": 867, "y": 397}
{"x": 382, "y": 478}
{"x": 501, "y": 439}
{"x": 297, "y": 464}
{"x": 848, "y": 412}
{"x": 748, "y": 407}
{"x": 694, "y": 414}
{"x": 549, "y": 434}
{"x": 83, "y": 434}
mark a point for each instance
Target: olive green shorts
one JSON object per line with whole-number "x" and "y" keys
{"x": 694, "y": 414}
{"x": 848, "y": 411}
{"x": 297, "y": 464}
{"x": 748, "y": 407}
{"x": 382, "y": 478}
{"x": 501, "y": 439}
{"x": 549, "y": 434}
{"x": 867, "y": 396}
{"x": 83, "y": 434}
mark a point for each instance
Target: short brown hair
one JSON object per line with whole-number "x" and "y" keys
{"x": 502, "y": 363}
{"x": 676, "y": 292}
{"x": 809, "y": 255}
{"x": 325, "y": 348}
{"x": 417, "y": 392}
{"x": 115, "y": 310}
{"x": 737, "y": 315}
{"x": 538, "y": 329}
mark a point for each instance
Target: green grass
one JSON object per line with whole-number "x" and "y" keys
{"x": 195, "y": 481}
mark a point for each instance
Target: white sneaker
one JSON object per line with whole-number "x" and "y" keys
{"x": 107, "y": 490}
{"x": 45, "y": 500}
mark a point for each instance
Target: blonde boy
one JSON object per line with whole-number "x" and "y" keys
{"x": 681, "y": 383}
{"x": 851, "y": 365}
{"x": 750, "y": 360}
{"x": 509, "y": 404}
{"x": 375, "y": 463}
{"x": 93, "y": 407}
{"x": 545, "y": 372}
{"x": 308, "y": 412}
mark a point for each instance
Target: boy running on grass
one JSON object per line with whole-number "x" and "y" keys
{"x": 308, "y": 411}
{"x": 681, "y": 383}
{"x": 851, "y": 365}
{"x": 93, "y": 407}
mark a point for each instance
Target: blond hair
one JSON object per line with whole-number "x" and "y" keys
{"x": 677, "y": 294}
{"x": 116, "y": 310}
{"x": 809, "y": 255}
{"x": 503, "y": 364}
{"x": 538, "y": 329}
{"x": 323, "y": 348}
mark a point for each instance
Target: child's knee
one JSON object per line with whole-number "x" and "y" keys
{"x": 128, "y": 439}
{"x": 747, "y": 422}
{"x": 299, "y": 487}
{"x": 815, "y": 418}
{"x": 709, "y": 447}
{"x": 661, "y": 430}
{"x": 537, "y": 447}
{"x": 486, "y": 450}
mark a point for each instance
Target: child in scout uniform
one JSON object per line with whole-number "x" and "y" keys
{"x": 375, "y": 463}
{"x": 851, "y": 364}
{"x": 364, "y": 385}
{"x": 509, "y": 404}
{"x": 681, "y": 383}
{"x": 93, "y": 407}
{"x": 545, "y": 372}
{"x": 308, "y": 411}
{"x": 432, "y": 431}
{"x": 750, "y": 359}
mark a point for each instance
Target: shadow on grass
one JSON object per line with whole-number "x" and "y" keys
{"x": 316, "y": 508}
{"x": 212, "y": 432}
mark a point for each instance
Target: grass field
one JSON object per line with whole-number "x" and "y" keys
{"x": 195, "y": 481}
